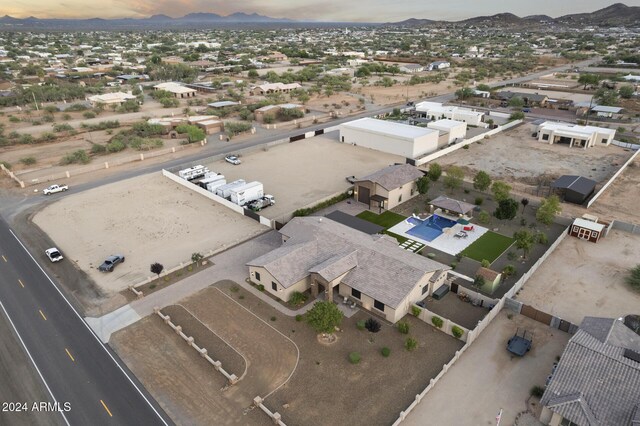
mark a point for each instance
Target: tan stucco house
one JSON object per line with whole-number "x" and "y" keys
{"x": 388, "y": 187}
{"x": 319, "y": 254}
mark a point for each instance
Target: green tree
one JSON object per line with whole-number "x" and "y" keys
{"x": 524, "y": 241}
{"x": 464, "y": 93}
{"x": 324, "y": 317}
{"x": 484, "y": 217}
{"x": 508, "y": 271}
{"x": 516, "y": 102}
{"x": 157, "y": 268}
{"x": 626, "y": 92}
{"x": 501, "y": 190}
{"x": 518, "y": 115}
{"x": 606, "y": 97}
{"x": 481, "y": 181}
{"x": 479, "y": 281}
{"x": 483, "y": 87}
{"x": 423, "y": 184}
{"x": 633, "y": 279}
{"x": 507, "y": 209}
{"x": 525, "y": 203}
{"x": 453, "y": 179}
{"x": 253, "y": 73}
{"x": 549, "y": 208}
{"x": 588, "y": 79}
{"x": 435, "y": 171}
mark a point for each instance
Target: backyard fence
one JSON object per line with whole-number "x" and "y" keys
{"x": 447, "y": 325}
{"x": 12, "y": 175}
{"x": 452, "y": 148}
{"x": 626, "y": 227}
{"x": 613, "y": 178}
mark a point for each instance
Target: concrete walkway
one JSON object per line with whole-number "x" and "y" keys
{"x": 112, "y": 322}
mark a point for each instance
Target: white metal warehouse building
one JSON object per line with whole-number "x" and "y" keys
{"x": 387, "y": 136}
{"x": 455, "y": 130}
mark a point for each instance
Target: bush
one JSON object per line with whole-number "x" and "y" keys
{"x": 410, "y": 344}
{"x": 537, "y": 391}
{"x": 89, "y": 114}
{"x": 273, "y": 318}
{"x": 28, "y": 161}
{"x": 542, "y": 238}
{"x": 385, "y": 352}
{"x": 457, "y": 331}
{"x": 403, "y": 327}
{"x": 98, "y": 149}
{"x": 478, "y": 201}
{"x": 437, "y": 321}
{"x": 116, "y": 145}
{"x": 26, "y": 139}
{"x": 62, "y": 127}
{"x": 431, "y": 255}
{"x": 76, "y": 107}
{"x": 260, "y": 287}
{"x": 485, "y": 263}
{"x": 354, "y": 357}
{"x": 299, "y": 318}
{"x": 145, "y": 144}
{"x": 322, "y": 205}
{"x": 47, "y": 137}
{"x": 415, "y": 311}
{"x": 297, "y": 298}
{"x": 6, "y": 164}
{"x": 77, "y": 157}
{"x": 372, "y": 325}
{"x": 233, "y": 128}
{"x": 14, "y": 119}
{"x": 361, "y": 325}
{"x": 633, "y": 279}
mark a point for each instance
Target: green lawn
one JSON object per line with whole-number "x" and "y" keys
{"x": 386, "y": 219}
{"x": 490, "y": 246}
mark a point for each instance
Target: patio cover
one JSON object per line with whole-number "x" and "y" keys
{"x": 452, "y": 205}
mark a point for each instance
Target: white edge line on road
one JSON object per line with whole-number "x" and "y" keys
{"x": 90, "y": 330}
{"x": 33, "y": 362}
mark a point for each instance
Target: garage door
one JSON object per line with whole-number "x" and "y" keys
{"x": 363, "y": 194}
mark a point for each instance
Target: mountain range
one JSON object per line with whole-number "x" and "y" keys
{"x": 616, "y": 14}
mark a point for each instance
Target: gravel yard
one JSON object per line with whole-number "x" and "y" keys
{"x": 305, "y": 172}
{"x": 147, "y": 219}
{"x": 516, "y": 155}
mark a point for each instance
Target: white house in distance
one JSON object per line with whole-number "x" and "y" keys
{"x": 455, "y": 130}
{"x": 320, "y": 254}
{"x": 265, "y": 89}
{"x": 178, "y": 90}
{"x": 438, "y": 65}
{"x": 574, "y": 135}
{"x": 436, "y": 111}
{"x": 387, "y": 136}
{"x": 116, "y": 98}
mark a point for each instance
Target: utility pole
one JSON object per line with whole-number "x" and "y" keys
{"x": 34, "y": 101}
{"x": 586, "y": 123}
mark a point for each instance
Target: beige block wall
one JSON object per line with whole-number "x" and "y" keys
{"x": 266, "y": 279}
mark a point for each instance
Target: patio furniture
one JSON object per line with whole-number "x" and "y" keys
{"x": 346, "y": 300}
{"x": 468, "y": 228}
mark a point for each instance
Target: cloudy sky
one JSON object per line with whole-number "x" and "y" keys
{"x": 321, "y": 10}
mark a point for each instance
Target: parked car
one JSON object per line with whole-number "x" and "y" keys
{"x": 110, "y": 263}
{"x": 526, "y": 109}
{"x": 54, "y": 188}
{"x": 233, "y": 159}
{"x": 53, "y": 254}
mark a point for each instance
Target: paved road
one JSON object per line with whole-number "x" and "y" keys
{"x": 74, "y": 366}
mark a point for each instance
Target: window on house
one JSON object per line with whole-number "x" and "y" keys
{"x": 425, "y": 289}
{"x": 604, "y": 140}
{"x": 356, "y": 293}
{"x": 274, "y": 286}
{"x": 567, "y": 422}
{"x": 257, "y": 276}
{"x": 400, "y": 198}
{"x": 545, "y": 137}
{"x": 378, "y": 305}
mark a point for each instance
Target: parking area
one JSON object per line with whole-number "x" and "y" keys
{"x": 487, "y": 378}
{"x": 147, "y": 219}
{"x": 516, "y": 155}
{"x": 303, "y": 173}
{"x": 585, "y": 279}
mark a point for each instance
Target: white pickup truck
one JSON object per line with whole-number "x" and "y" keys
{"x": 54, "y": 188}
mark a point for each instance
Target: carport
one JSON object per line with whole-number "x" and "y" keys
{"x": 574, "y": 189}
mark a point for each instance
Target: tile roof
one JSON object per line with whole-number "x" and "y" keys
{"x": 594, "y": 383}
{"x": 376, "y": 265}
{"x": 452, "y": 205}
{"x": 393, "y": 177}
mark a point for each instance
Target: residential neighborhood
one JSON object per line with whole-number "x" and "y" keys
{"x": 315, "y": 214}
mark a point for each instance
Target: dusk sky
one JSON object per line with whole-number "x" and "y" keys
{"x": 319, "y": 10}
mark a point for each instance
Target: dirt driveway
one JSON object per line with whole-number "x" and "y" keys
{"x": 516, "y": 155}
{"x": 585, "y": 279}
{"x": 487, "y": 378}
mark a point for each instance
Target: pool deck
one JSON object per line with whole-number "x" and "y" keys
{"x": 446, "y": 242}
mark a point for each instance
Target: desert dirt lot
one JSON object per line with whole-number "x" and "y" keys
{"x": 516, "y": 155}
{"x": 147, "y": 219}
{"x": 585, "y": 279}
{"x": 487, "y": 378}
{"x": 302, "y": 173}
{"x": 622, "y": 199}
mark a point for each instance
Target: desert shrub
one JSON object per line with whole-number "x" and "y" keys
{"x": 361, "y": 325}
{"x": 273, "y": 318}
{"x": 76, "y": 107}
{"x": 77, "y": 157}
{"x": 116, "y": 145}
{"x": 89, "y": 114}
{"x": 297, "y": 298}
{"x": 403, "y": 327}
{"x": 536, "y": 391}
{"x": 47, "y": 137}
{"x": 169, "y": 102}
{"x": 322, "y": 205}
{"x": 437, "y": 321}
{"x": 260, "y": 287}
{"x": 633, "y": 279}
{"x": 372, "y": 325}
{"x": 457, "y": 331}
{"x": 542, "y": 238}
{"x": 354, "y": 357}
{"x": 103, "y": 125}
{"x": 26, "y": 139}
{"x": 453, "y": 265}
{"x": 234, "y": 289}
{"x": 6, "y": 164}
{"x": 98, "y": 149}
{"x": 14, "y": 119}
{"x": 233, "y": 128}
{"x": 62, "y": 127}
{"x": 431, "y": 255}
{"x": 415, "y": 311}
{"x": 145, "y": 144}
{"x": 28, "y": 161}
{"x": 299, "y": 318}
{"x": 485, "y": 263}
{"x": 410, "y": 344}
{"x": 385, "y": 352}
{"x": 478, "y": 201}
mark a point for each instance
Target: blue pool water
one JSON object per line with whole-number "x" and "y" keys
{"x": 430, "y": 228}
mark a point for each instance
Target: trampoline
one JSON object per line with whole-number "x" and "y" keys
{"x": 430, "y": 228}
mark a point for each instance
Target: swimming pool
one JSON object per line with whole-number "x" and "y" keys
{"x": 430, "y": 228}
